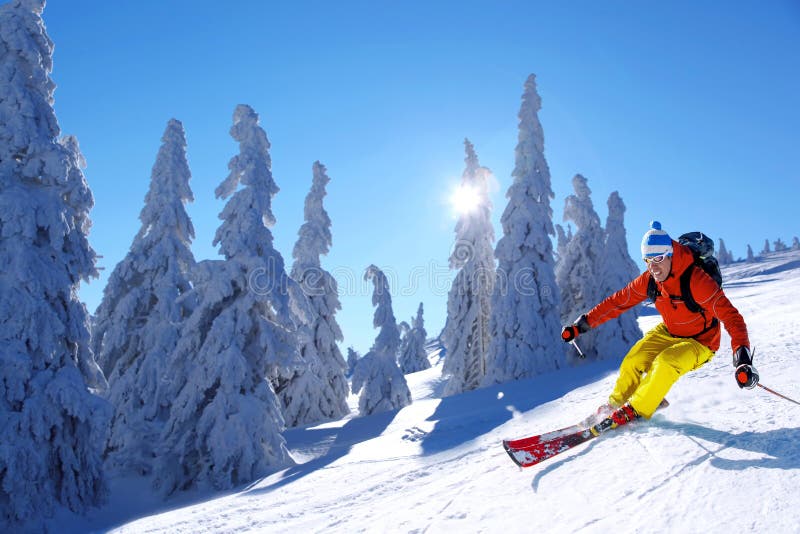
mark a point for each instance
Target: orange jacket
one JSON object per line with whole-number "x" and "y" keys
{"x": 680, "y": 321}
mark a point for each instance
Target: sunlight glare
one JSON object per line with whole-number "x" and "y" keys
{"x": 464, "y": 200}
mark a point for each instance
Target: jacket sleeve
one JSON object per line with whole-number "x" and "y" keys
{"x": 621, "y": 301}
{"x": 712, "y": 298}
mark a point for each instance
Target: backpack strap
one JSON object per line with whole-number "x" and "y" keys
{"x": 686, "y": 291}
{"x": 691, "y": 304}
{"x": 652, "y": 289}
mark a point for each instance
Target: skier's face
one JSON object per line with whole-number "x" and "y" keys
{"x": 660, "y": 270}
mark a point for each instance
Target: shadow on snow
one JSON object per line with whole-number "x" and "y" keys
{"x": 462, "y": 418}
{"x": 778, "y": 446}
{"x": 340, "y": 440}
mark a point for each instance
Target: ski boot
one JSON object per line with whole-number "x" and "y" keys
{"x": 621, "y": 416}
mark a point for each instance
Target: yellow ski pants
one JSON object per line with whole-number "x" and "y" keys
{"x": 652, "y": 365}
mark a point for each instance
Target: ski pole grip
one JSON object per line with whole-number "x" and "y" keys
{"x": 569, "y": 333}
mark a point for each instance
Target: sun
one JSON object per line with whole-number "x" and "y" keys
{"x": 465, "y": 200}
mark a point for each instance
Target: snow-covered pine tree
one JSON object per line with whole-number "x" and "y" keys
{"x": 615, "y": 338}
{"x": 225, "y": 423}
{"x": 579, "y": 273}
{"x": 404, "y": 328}
{"x": 562, "y": 240}
{"x": 795, "y": 243}
{"x": 724, "y": 257}
{"x": 779, "y": 245}
{"x": 352, "y": 360}
{"x": 317, "y": 391}
{"x": 79, "y": 201}
{"x": 766, "y": 249}
{"x": 750, "y": 256}
{"x": 466, "y": 336}
{"x": 377, "y": 378}
{"x": 526, "y": 303}
{"x": 413, "y": 357}
{"x": 137, "y": 325}
{"x": 53, "y": 426}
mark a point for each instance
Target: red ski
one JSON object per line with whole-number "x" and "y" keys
{"x": 532, "y": 450}
{"x": 530, "y": 441}
{"x": 540, "y": 449}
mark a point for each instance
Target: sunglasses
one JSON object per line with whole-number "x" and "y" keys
{"x": 656, "y": 259}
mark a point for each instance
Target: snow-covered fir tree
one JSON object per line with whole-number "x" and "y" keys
{"x": 795, "y": 243}
{"x": 53, "y": 426}
{"x": 377, "y": 379}
{"x": 562, "y": 240}
{"x": 614, "y": 338}
{"x": 352, "y": 360}
{"x": 779, "y": 245}
{"x": 413, "y": 357}
{"x": 750, "y": 256}
{"x": 79, "y": 202}
{"x": 317, "y": 391}
{"x": 225, "y": 423}
{"x": 466, "y": 336}
{"x": 137, "y": 324}
{"x": 404, "y": 328}
{"x": 723, "y": 256}
{"x": 766, "y": 249}
{"x": 578, "y": 273}
{"x": 526, "y": 303}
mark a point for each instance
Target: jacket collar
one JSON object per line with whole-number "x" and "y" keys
{"x": 682, "y": 258}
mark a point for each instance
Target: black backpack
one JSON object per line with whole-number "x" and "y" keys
{"x": 702, "y": 248}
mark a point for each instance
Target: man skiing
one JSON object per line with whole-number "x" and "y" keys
{"x": 682, "y": 342}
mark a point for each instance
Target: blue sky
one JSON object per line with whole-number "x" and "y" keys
{"x": 689, "y": 109}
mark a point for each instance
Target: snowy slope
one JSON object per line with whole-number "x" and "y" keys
{"x": 719, "y": 459}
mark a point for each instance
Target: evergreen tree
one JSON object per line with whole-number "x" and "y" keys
{"x": 766, "y": 249}
{"x": 466, "y": 336}
{"x": 404, "y": 328}
{"x": 319, "y": 390}
{"x": 79, "y": 201}
{"x": 377, "y": 380}
{"x": 615, "y": 338}
{"x": 53, "y": 426}
{"x": 579, "y": 273}
{"x": 413, "y": 357}
{"x": 795, "y": 243}
{"x": 723, "y": 257}
{"x": 780, "y": 246}
{"x": 352, "y": 360}
{"x": 750, "y": 256}
{"x": 562, "y": 241}
{"x": 137, "y": 324}
{"x": 225, "y": 424}
{"x": 526, "y": 302}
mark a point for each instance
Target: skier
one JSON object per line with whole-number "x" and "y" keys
{"x": 682, "y": 342}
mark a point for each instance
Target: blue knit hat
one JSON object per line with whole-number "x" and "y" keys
{"x": 656, "y": 242}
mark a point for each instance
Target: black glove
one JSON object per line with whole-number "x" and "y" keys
{"x": 580, "y": 326}
{"x": 746, "y": 375}
{"x": 742, "y": 356}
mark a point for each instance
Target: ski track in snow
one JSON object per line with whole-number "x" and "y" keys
{"x": 718, "y": 459}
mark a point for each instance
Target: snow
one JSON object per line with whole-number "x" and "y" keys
{"x": 719, "y": 459}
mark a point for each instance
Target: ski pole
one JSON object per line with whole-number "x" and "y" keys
{"x": 580, "y": 352}
{"x": 776, "y": 393}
